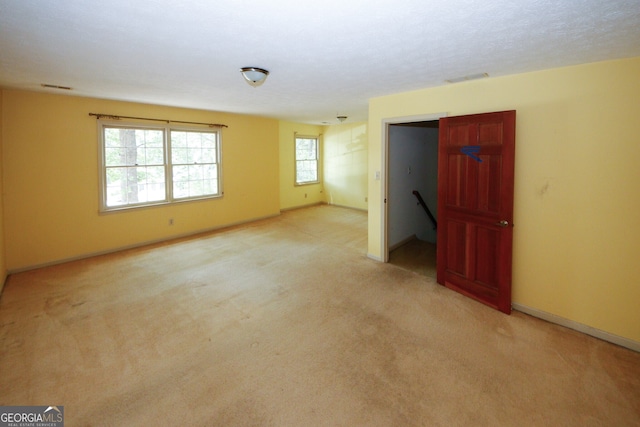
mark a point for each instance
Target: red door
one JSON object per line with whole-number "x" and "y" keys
{"x": 475, "y": 206}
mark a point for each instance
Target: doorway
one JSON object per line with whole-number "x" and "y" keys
{"x": 475, "y": 192}
{"x": 412, "y": 189}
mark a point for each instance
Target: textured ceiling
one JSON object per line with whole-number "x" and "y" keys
{"x": 326, "y": 58}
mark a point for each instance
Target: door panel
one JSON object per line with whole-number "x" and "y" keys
{"x": 486, "y": 245}
{"x": 489, "y": 133}
{"x": 457, "y": 182}
{"x": 457, "y": 236}
{"x": 489, "y": 172}
{"x": 475, "y": 193}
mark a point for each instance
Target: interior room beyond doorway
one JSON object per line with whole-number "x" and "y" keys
{"x": 413, "y": 168}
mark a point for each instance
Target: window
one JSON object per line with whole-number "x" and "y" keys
{"x": 306, "y": 160}
{"x": 194, "y": 162}
{"x": 149, "y": 165}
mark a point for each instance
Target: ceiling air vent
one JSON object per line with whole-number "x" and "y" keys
{"x": 48, "y": 86}
{"x": 467, "y": 78}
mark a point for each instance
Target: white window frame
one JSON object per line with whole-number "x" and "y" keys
{"x": 295, "y": 160}
{"x": 167, "y": 164}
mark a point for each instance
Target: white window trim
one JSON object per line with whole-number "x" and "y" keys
{"x": 295, "y": 160}
{"x": 169, "y": 199}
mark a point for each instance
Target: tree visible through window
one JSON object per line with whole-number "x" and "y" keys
{"x": 194, "y": 161}
{"x": 306, "y": 160}
{"x": 134, "y": 166}
{"x": 151, "y": 165}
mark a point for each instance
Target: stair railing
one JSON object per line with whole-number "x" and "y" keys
{"x": 426, "y": 208}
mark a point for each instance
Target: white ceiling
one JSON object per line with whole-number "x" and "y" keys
{"x": 326, "y": 57}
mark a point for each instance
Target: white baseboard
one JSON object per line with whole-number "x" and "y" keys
{"x": 576, "y": 326}
{"x": 375, "y": 258}
{"x": 138, "y": 245}
{"x": 293, "y": 208}
{"x": 348, "y": 207}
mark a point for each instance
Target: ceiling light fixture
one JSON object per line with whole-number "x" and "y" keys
{"x": 254, "y": 76}
{"x": 466, "y": 78}
{"x": 341, "y": 118}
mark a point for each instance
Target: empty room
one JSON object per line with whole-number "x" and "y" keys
{"x": 415, "y": 213}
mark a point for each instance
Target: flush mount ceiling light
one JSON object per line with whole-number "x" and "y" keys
{"x": 341, "y": 118}
{"x": 254, "y": 76}
{"x": 466, "y": 78}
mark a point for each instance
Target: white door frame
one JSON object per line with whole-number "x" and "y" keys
{"x": 384, "y": 250}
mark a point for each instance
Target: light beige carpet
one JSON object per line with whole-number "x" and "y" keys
{"x": 286, "y": 322}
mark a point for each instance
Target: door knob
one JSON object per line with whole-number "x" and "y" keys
{"x": 503, "y": 223}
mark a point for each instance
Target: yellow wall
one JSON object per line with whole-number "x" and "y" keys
{"x": 51, "y": 179}
{"x": 3, "y": 264}
{"x": 292, "y": 195}
{"x": 577, "y": 185}
{"x": 345, "y": 165}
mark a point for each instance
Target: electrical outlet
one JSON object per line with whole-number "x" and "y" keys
{"x": 170, "y": 221}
